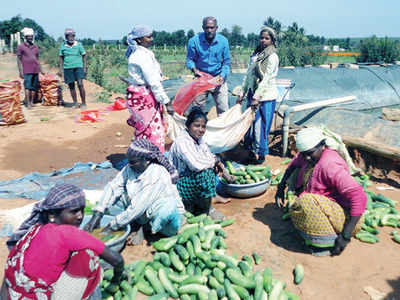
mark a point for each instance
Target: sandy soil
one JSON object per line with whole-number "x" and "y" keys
{"x": 60, "y": 142}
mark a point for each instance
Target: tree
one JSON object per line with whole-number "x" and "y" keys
{"x": 225, "y": 32}
{"x": 236, "y": 37}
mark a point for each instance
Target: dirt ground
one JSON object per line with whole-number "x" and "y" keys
{"x": 44, "y": 146}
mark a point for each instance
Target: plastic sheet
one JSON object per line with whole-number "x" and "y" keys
{"x": 10, "y": 103}
{"x": 190, "y": 91}
{"x": 119, "y": 104}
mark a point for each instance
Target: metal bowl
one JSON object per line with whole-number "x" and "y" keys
{"x": 245, "y": 190}
{"x": 117, "y": 244}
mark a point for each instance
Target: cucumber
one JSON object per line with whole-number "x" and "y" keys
{"x": 396, "y": 238}
{"x": 166, "y": 243}
{"x": 175, "y": 261}
{"x": 298, "y": 273}
{"x": 227, "y": 222}
{"x": 367, "y": 237}
{"x": 193, "y": 289}
{"x": 196, "y": 219}
{"x": 151, "y": 276}
{"x": 241, "y": 291}
{"x": 190, "y": 250}
{"x": 182, "y": 252}
{"x": 276, "y": 291}
{"x": 257, "y": 258}
{"x": 259, "y": 285}
{"x": 214, "y": 242}
{"x": 383, "y": 199}
{"x": 253, "y": 176}
{"x": 108, "y": 274}
{"x": 144, "y": 287}
{"x": 206, "y": 272}
{"x": 195, "y": 279}
{"x": 202, "y": 234}
{"x": 237, "y": 278}
{"x": 167, "y": 284}
{"x": 231, "y": 169}
{"x": 229, "y": 261}
{"x": 196, "y": 244}
{"x": 112, "y": 288}
{"x": 184, "y": 236}
{"x": 219, "y": 275}
{"x": 156, "y": 265}
{"x": 178, "y": 278}
{"x": 212, "y": 295}
{"x": 212, "y": 227}
{"x": 232, "y": 295}
{"x": 370, "y": 229}
{"x": 245, "y": 268}
{"x": 221, "y": 292}
{"x": 118, "y": 295}
{"x": 190, "y": 269}
{"x": 291, "y": 296}
{"x": 267, "y": 280}
{"x": 222, "y": 244}
{"x": 213, "y": 282}
{"x": 185, "y": 297}
{"x": 207, "y": 242}
{"x": 221, "y": 233}
{"x": 202, "y": 296}
{"x": 248, "y": 259}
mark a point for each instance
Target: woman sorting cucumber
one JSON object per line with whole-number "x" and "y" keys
{"x": 144, "y": 193}
{"x": 197, "y": 167}
{"x": 330, "y": 202}
{"x": 51, "y": 257}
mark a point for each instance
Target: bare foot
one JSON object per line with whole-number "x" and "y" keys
{"x": 219, "y": 199}
{"x": 135, "y": 238}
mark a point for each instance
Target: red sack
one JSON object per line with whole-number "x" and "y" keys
{"x": 186, "y": 94}
{"x": 10, "y": 103}
{"x": 119, "y": 104}
{"x": 90, "y": 116}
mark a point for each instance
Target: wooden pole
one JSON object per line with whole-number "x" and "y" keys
{"x": 390, "y": 152}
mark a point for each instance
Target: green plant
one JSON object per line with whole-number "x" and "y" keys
{"x": 104, "y": 97}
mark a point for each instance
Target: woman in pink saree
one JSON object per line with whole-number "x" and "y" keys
{"x": 146, "y": 97}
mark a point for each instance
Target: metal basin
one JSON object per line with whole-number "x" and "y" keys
{"x": 245, "y": 190}
{"x": 117, "y": 244}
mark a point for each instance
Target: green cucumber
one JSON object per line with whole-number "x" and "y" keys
{"x": 257, "y": 258}
{"x": 196, "y": 244}
{"x": 190, "y": 269}
{"x": 259, "y": 286}
{"x": 144, "y": 287}
{"x": 241, "y": 291}
{"x": 175, "y": 261}
{"x": 276, "y": 290}
{"x": 207, "y": 242}
{"x": 166, "y": 243}
{"x": 227, "y": 222}
{"x": 196, "y": 219}
{"x": 248, "y": 259}
{"x": 202, "y": 234}
{"x": 193, "y": 289}
{"x": 195, "y": 279}
{"x": 245, "y": 268}
{"x": 190, "y": 250}
{"x": 182, "y": 252}
{"x": 213, "y": 282}
{"x": 213, "y": 295}
{"x": 232, "y": 295}
{"x": 151, "y": 276}
{"x": 167, "y": 284}
{"x": 219, "y": 275}
{"x": 298, "y": 273}
{"x": 267, "y": 280}
{"x": 237, "y": 278}
{"x": 161, "y": 296}
{"x": 177, "y": 278}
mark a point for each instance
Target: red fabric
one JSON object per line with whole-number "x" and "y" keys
{"x": 186, "y": 94}
{"x": 52, "y": 247}
{"x": 90, "y": 116}
{"x": 29, "y": 58}
{"x": 331, "y": 178}
{"x": 146, "y": 116}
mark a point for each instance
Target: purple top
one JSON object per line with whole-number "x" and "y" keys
{"x": 331, "y": 178}
{"x": 29, "y": 56}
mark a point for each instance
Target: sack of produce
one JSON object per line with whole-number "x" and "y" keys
{"x": 49, "y": 88}
{"x": 10, "y": 103}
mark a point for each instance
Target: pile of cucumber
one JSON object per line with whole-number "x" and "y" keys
{"x": 194, "y": 265}
{"x": 380, "y": 211}
{"x": 248, "y": 174}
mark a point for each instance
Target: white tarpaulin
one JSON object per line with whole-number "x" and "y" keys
{"x": 223, "y": 133}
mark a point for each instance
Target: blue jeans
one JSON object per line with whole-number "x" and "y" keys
{"x": 256, "y": 138}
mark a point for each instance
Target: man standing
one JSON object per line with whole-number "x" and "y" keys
{"x": 208, "y": 52}
{"x": 29, "y": 66}
{"x": 73, "y": 65}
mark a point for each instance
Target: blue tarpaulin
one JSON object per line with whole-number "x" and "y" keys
{"x": 85, "y": 175}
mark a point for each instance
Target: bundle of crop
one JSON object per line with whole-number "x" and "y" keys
{"x": 194, "y": 265}
{"x": 248, "y": 174}
{"x": 380, "y": 211}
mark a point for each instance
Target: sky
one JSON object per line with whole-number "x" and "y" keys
{"x": 112, "y": 19}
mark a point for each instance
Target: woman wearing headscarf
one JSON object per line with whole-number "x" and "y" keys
{"x": 146, "y": 97}
{"x": 51, "y": 258}
{"x": 145, "y": 192}
{"x": 259, "y": 88}
{"x": 197, "y": 166}
{"x": 330, "y": 202}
